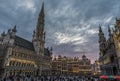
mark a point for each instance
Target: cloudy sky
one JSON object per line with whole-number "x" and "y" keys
{"x": 71, "y": 25}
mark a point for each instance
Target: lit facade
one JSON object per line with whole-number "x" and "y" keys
{"x": 96, "y": 68}
{"x": 68, "y": 65}
{"x": 85, "y": 65}
{"x": 20, "y": 56}
{"x": 116, "y": 37}
{"x": 109, "y": 50}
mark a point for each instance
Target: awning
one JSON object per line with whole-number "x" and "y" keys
{"x": 110, "y": 77}
{"x": 117, "y": 77}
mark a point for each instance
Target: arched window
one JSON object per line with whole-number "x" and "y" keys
{"x": 16, "y": 63}
{"x": 10, "y": 63}
{"x": 13, "y": 63}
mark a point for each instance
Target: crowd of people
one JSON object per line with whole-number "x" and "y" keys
{"x": 49, "y": 78}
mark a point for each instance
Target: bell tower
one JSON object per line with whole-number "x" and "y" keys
{"x": 39, "y": 34}
{"x": 102, "y": 41}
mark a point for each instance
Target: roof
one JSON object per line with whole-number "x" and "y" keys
{"x": 83, "y": 57}
{"x": 23, "y": 43}
{"x": 28, "y": 45}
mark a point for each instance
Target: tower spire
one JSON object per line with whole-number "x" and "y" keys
{"x": 102, "y": 41}
{"x": 101, "y": 35}
{"x": 40, "y": 24}
{"x": 100, "y": 30}
{"x": 42, "y": 10}
{"x": 14, "y": 29}
{"x": 39, "y": 34}
{"x": 109, "y": 30}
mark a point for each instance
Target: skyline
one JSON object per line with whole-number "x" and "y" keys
{"x": 71, "y": 26}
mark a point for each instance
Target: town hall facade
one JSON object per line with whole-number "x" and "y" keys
{"x": 20, "y": 56}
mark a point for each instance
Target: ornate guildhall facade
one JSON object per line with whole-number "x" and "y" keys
{"x": 96, "y": 68}
{"x": 20, "y": 56}
{"x": 68, "y": 65}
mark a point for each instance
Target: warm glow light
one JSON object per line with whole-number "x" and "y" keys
{"x": 7, "y": 64}
{"x": 23, "y": 61}
{"x": 119, "y": 45}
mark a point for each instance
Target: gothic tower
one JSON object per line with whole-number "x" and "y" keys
{"x": 117, "y": 24}
{"x": 110, "y": 39}
{"x": 39, "y": 34}
{"x": 116, "y": 34}
{"x": 102, "y": 41}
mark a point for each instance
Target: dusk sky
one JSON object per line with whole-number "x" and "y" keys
{"x": 71, "y": 25}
